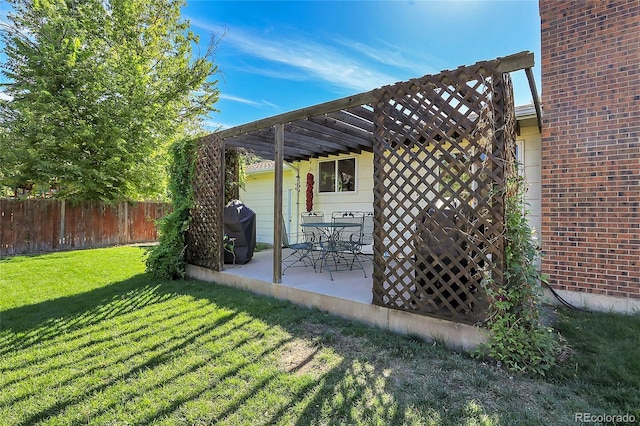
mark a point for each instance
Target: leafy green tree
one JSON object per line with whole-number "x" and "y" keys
{"x": 100, "y": 89}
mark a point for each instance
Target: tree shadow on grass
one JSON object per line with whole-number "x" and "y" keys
{"x": 217, "y": 358}
{"x": 34, "y": 323}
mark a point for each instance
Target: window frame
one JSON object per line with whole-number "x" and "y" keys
{"x": 336, "y": 173}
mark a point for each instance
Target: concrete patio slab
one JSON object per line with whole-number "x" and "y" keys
{"x": 348, "y": 296}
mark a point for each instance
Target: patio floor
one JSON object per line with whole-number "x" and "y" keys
{"x": 349, "y": 295}
{"x": 348, "y": 285}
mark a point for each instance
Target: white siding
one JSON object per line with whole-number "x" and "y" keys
{"x": 531, "y": 139}
{"x": 361, "y": 199}
{"x": 258, "y": 196}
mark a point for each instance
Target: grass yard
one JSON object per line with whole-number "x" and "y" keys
{"x": 87, "y": 338}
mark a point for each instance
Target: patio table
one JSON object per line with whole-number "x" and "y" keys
{"x": 331, "y": 243}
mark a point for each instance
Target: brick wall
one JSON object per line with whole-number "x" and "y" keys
{"x": 591, "y": 145}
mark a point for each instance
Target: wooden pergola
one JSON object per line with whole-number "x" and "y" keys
{"x": 406, "y": 125}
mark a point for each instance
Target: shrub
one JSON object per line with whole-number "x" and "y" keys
{"x": 518, "y": 341}
{"x": 166, "y": 260}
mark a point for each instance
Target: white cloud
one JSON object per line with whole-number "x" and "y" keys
{"x": 314, "y": 61}
{"x": 387, "y": 54}
{"x": 5, "y": 97}
{"x": 259, "y": 104}
{"x": 269, "y": 104}
{"x": 277, "y": 73}
{"x": 214, "y": 126}
{"x": 238, "y": 99}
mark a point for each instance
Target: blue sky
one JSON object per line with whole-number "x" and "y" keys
{"x": 275, "y": 57}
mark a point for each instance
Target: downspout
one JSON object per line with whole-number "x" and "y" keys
{"x": 297, "y": 187}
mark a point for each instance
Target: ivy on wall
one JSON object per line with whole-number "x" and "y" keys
{"x": 234, "y": 174}
{"x": 166, "y": 260}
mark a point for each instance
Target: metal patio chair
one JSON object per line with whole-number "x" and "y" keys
{"x": 344, "y": 251}
{"x": 367, "y": 235}
{"x": 303, "y": 251}
{"x": 311, "y": 234}
{"x": 300, "y": 255}
{"x": 350, "y": 236}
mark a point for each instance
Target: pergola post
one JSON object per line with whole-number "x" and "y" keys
{"x": 277, "y": 208}
{"x": 220, "y": 204}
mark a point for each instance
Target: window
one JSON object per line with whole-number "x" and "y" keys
{"x": 337, "y": 175}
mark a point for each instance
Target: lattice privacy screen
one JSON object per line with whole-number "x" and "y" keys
{"x": 203, "y": 238}
{"x": 439, "y": 165}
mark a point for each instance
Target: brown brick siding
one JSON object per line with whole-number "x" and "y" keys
{"x": 591, "y": 145}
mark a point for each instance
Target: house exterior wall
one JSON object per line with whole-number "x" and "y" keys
{"x": 258, "y": 195}
{"x": 361, "y": 199}
{"x": 591, "y": 149}
{"x": 530, "y": 140}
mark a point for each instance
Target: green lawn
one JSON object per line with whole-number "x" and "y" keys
{"x": 87, "y": 338}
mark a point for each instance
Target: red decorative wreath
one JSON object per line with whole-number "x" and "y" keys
{"x": 309, "y": 192}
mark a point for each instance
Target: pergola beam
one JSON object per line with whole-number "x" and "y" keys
{"x": 293, "y": 133}
{"x": 338, "y": 127}
{"x": 300, "y": 114}
{"x": 534, "y": 94}
{"x": 516, "y": 62}
{"x": 365, "y": 114}
{"x": 321, "y": 128}
{"x": 356, "y": 121}
{"x": 263, "y": 143}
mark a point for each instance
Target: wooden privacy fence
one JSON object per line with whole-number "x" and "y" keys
{"x": 35, "y": 226}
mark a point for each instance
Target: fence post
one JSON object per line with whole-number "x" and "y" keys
{"x": 61, "y": 239}
{"x": 126, "y": 222}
